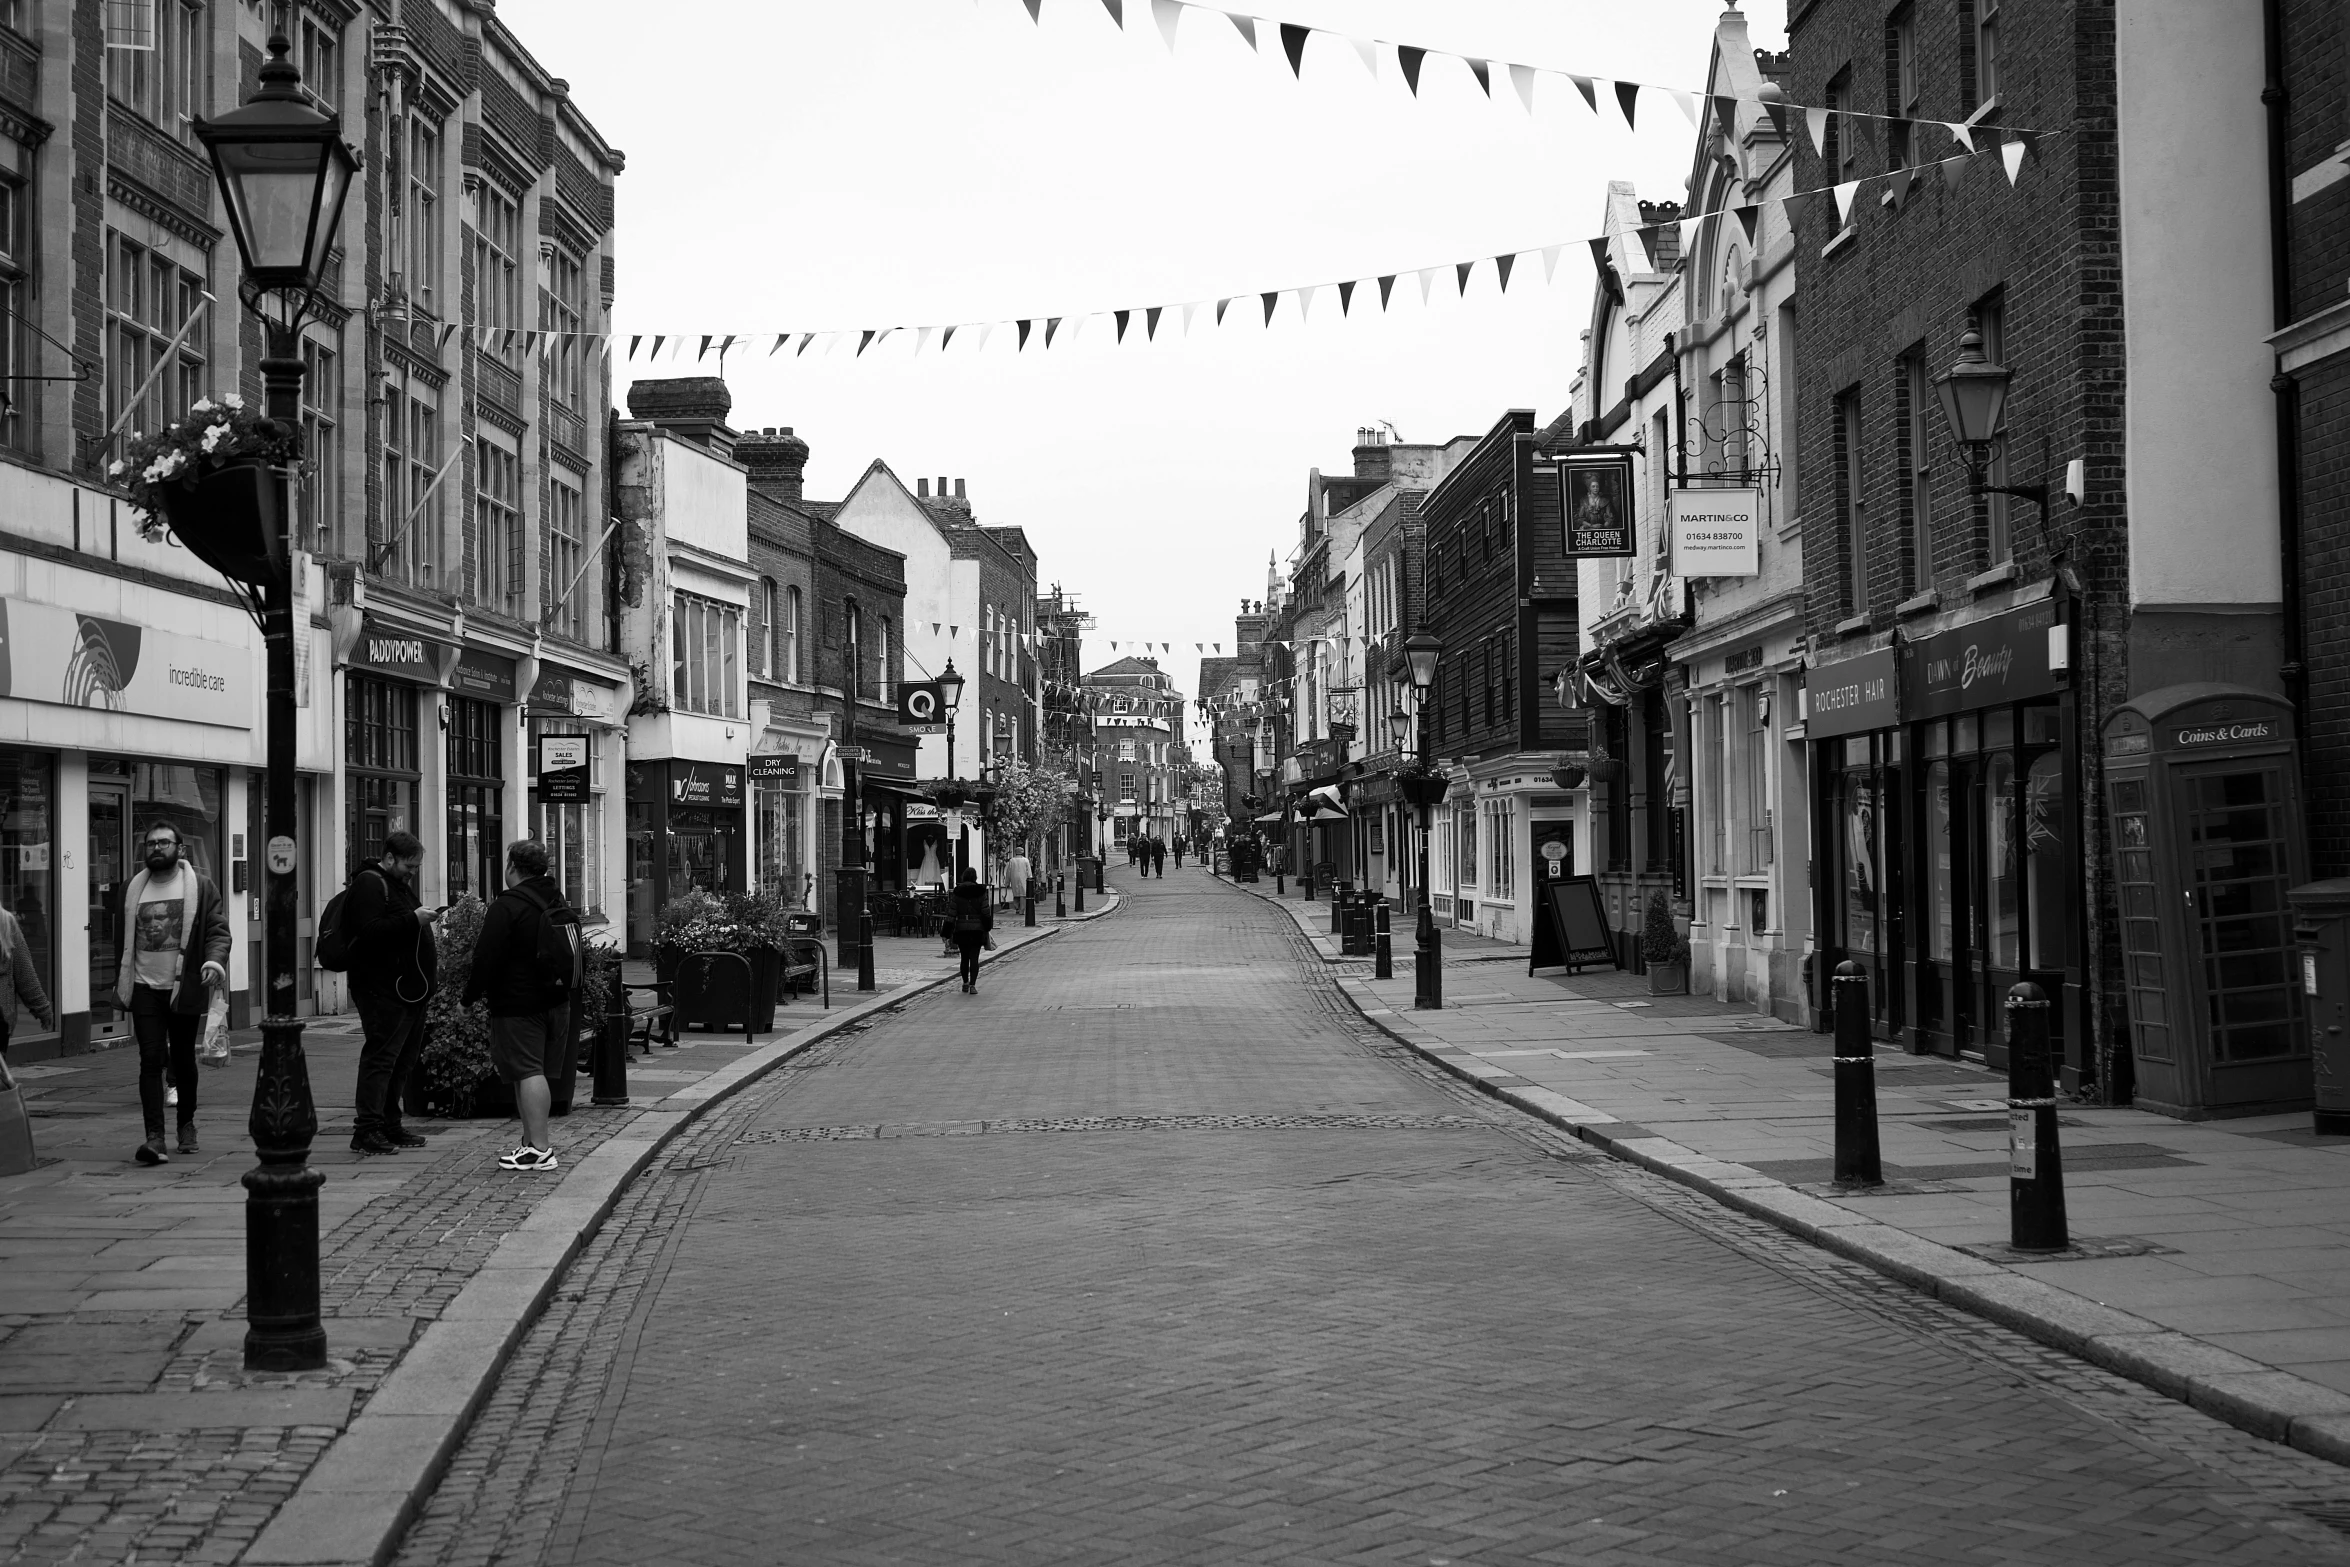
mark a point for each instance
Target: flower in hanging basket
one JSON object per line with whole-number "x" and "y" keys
{"x": 164, "y": 468}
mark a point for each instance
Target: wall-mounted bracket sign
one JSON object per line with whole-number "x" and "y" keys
{"x": 1716, "y": 533}
{"x": 1595, "y": 489}
{"x": 563, "y": 769}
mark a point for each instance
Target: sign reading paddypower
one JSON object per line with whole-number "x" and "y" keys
{"x": 51, "y": 654}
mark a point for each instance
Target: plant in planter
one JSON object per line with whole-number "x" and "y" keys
{"x": 454, "y": 1069}
{"x": 1664, "y": 949}
{"x": 700, "y": 921}
{"x": 207, "y": 479}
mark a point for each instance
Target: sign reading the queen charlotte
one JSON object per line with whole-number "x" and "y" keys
{"x": 1595, "y": 495}
{"x": 51, "y": 654}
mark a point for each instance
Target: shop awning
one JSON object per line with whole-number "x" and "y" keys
{"x": 1321, "y": 802}
{"x": 1272, "y": 817}
{"x": 1328, "y": 814}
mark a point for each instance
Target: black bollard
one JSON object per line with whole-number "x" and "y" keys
{"x": 864, "y": 950}
{"x": 1857, "y": 1159}
{"x": 1030, "y": 900}
{"x": 2035, "y": 1167}
{"x": 1081, "y": 889}
{"x": 611, "y": 1058}
{"x": 1385, "y": 967}
{"x": 1061, "y": 895}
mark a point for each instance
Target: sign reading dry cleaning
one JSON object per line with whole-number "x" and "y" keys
{"x": 1715, "y": 533}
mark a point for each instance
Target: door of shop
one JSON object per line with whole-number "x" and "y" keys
{"x": 110, "y": 872}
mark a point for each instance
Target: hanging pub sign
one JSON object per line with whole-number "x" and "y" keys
{"x": 1716, "y": 533}
{"x": 563, "y": 769}
{"x": 1596, "y": 500}
{"x": 922, "y": 707}
{"x": 2003, "y": 658}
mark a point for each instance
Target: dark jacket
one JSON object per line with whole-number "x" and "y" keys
{"x": 506, "y": 958}
{"x": 392, "y": 952}
{"x": 207, "y": 943}
{"x": 969, "y": 900}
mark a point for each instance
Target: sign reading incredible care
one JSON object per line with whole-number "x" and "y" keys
{"x": 51, "y": 654}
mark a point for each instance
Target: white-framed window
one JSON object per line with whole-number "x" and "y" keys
{"x": 1986, "y": 50}
{"x": 321, "y": 58}
{"x": 884, "y": 687}
{"x": 414, "y": 517}
{"x": 1713, "y": 802}
{"x": 853, "y": 650}
{"x": 158, "y": 61}
{"x": 497, "y": 270}
{"x": 1501, "y": 828}
{"x": 987, "y": 638}
{"x": 567, "y": 545}
{"x": 1900, "y": 133}
{"x": 318, "y": 492}
{"x": 770, "y": 605}
{"x": 497, "y": 558}
{"x": 423, "y": 217}
{"x": 573, "y": 833}
{"x": 149, "y": 298}
{"x": 1991, "y": 321}
{"x": 787, "y": 634}
{"x": 563, "y": 311}
{"x": 705, "y": 667}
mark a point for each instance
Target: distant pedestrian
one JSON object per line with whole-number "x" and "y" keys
{"x": 1179, "y": 851}
{"x": 393, "y": 962}
{"x": 1159, "y": 856}
{"x": 1018, "y": 873}
{"x": 20, "y": 981}
{"x": 169, "y": 913}
{"x": 526, "y": 966}
{"x": 971, "y": 920}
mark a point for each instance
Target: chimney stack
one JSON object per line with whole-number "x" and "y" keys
{"x": 1373, "y": 460}
{"x": 691, "y": 407}
{"x": 778, "y": 461}
{"x": 922, "y": 489}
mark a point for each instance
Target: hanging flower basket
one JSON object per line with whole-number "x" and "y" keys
{"x": 228, "y": 519}
{"x": 212, "y": 478}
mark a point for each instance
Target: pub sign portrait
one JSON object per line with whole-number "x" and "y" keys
{"x": 1596, "y": 494}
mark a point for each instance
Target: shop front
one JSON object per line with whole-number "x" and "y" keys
{"x": 475, "y": 752}
{"x": 685, "y": 831}
{"x": 576, "y": 751}
{"x": 1947, "y": 773}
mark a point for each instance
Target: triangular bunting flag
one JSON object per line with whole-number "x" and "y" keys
{"x": 1247, "y": 26}
{"x": 1052, "y": 324}
{"x": 632, "y": 342}
{"x": 1963, "y": 133}
{"x": 1293, "y": 44}
{"x": 1726, "y": 114}
{"x": 781, "y": 338}
{"x": 1025, "y": 327}
{"x": 1689, "y": 228}
{"x": 1590, "y": 94}
{"x": 698, "y": 353}
{"x": 656, "y": 353}
{"x": 1150, "y": 323}
{"x": 1036, "y": 11}
{"x": 986, "y": 330}
{"x": 922, "y": 338}
{"x": 864, "y": 342}
{"x": 805, "y": 339}
{"x": 1410, "y": 59}
{"x": 1522, "y": 78}
{"x": 1187, "y": 313}
{"x": 1687, "y": 101}
{"x": 1271, "y": 300}
{"x": 1346, "y": 297}
{"x": 1221, "y": 306}
{"x": 2011, "y": 154}
{"x": 1649, "y": 238}
{"x": 1166, "y": 13}
{"x": 1305, "y": 300}
{"x": 722, "y": 348}
{"x": 1117, "y": 10}
{"x": 1815, "y": 126}
{"x": 945, "y": 338}
{"x": 1550, "y": 261}
{"x": 448, "y": 331}
{"x": 1483, "y": 71}
{"x": 1897, "y": 186}
{"x": 1370, "y": 55}
{"x": 1121, "y": 317}
{"x": 1427, "y": 282}
{"x": 1746, "y": 217}
{"x": 1954, "y": 169}
{"x": 1627, "y": 99}
{"x": 1599, "y": 255}
{"x": 1386, "y": 287}
{"x": 1461, "y": 271}
{"x": 934, "y": 628}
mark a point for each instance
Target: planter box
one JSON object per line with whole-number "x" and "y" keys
{"x": 493, "y": 1097}
{"x": 1668, "y": 979}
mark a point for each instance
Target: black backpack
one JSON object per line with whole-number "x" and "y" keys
{"x": 332, "y": 950}
{"x": 562, "y": 948}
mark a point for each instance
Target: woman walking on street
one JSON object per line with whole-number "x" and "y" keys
{"x": 971, "y": 920}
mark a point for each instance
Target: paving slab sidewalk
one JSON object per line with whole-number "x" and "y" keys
{"x": 2210, "y": 1260}
{"x": 128, "y": 1427}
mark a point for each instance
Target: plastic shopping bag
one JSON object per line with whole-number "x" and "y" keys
{"x": 212, "y": 1045}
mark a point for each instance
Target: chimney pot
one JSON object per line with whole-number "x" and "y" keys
{"x": 958, "y": 489}
{"x": 777, "y": 460}
{"x": 922, "y": 488}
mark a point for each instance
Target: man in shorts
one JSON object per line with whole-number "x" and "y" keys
{"x": 530, "y": 1008}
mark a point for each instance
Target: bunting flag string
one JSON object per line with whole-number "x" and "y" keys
{"x": 1412, "y": 59}
{"x": 1647, "y": 242}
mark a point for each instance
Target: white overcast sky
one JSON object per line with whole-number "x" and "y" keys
{"x": 822, "y": 164}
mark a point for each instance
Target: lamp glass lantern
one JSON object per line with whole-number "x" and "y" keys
{"x": 283, "y": 172}
{"x": 1974, "y": 396}
{"x": 1421, "y": 651}
{"x": 950, "y": 687}
{"x": 1399, "y": 726}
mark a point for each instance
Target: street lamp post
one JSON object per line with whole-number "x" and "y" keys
{"x": 950, "y": 697}
{"x": 283, "y": 172}
{"x": 1422, "y": 651}
{"x": 1974, "y": 405}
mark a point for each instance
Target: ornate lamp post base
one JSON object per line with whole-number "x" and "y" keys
{"x": 282, "y": 1328}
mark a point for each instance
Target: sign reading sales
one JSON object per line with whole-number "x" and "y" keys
{"x": 1715, "y": 533}
{"x": 563, "y": 769}
{"x": 50, "y": 654}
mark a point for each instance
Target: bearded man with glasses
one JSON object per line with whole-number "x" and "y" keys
{"x": 173, "y": 940}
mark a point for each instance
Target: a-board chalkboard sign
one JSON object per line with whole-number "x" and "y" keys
{"x": 1570, "y": 926}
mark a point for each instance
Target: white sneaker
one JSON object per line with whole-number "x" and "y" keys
{"x": 528, "y": 1158}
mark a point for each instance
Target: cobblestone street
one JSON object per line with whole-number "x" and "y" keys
{"x": 1154, "y": 1251}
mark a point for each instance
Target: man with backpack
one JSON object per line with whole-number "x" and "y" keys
{"x": 379, "y": 934}
{"x": 528, "y": 964}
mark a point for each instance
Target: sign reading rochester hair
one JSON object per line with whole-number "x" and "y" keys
{"x": 1595, "y": 490}
{"x": 62, "y": 656}
{"x": 1716, "y": 533}
{"x": 1853, "y": 696}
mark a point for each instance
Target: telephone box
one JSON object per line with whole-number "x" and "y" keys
{"x": 2203, "y": 782}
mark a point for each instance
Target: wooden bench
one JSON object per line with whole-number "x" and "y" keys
{"x": 804, "y": 959}
{"x": 660, "y": 1017}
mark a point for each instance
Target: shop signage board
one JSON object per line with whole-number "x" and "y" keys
{"x": 922, "y": 707}
{"x": 551, "y": 692}
{"x": 705, "y": 783}
{"x": 62, "y": 656}
{"x": 852, "y": 753}
{"x": 388, "y": 650}
{"x": 784, "y": 770}
{"x": 1716, "y": 533}
{"x": 1596, "y": 490}
{"x": 2000, "y": 659}
{"x": 563, "y": 769}
{"x": 1854, "y": 695}
{"x": 1570, "y": 926}
{"x": 486, "y": 677}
